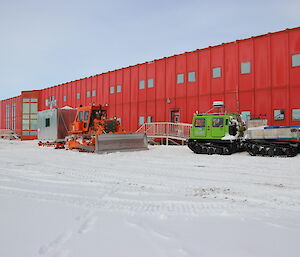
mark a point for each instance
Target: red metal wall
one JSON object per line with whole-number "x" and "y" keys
{"x": 3, "y": 125}
{"x": 272, "y": 84}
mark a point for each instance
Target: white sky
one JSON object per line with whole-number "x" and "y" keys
{"x": 45, "y": 43}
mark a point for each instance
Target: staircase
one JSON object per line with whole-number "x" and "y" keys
{"x": 168, "y": 131}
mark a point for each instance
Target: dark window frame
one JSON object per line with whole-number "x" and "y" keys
{"x": 216, "y": 69}
{"x": 294, "y": 60}
{"x": 245, "y": 69}
{"x": 218, "y": 122}
{"x": 200, "y": 125}
{"x": 180, "y": 78}
{"x": 151, "y": 83}
{"x": 47, "y": 122}
{"x": 86, "y": 115}
{"x": 142, "y": 84}
{"x": 277, "y": 116}
{"x": 80, "y": 115}
{"x": 192, "y": 76}
{"x": 294, "y": 114}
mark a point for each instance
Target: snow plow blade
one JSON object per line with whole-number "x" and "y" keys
{"x": 121, "y": 142}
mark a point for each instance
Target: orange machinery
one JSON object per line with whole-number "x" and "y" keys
{"x": 89, "y": 122}
{"x": 92, "y": 131}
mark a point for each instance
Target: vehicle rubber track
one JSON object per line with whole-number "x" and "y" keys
{"x": 265, "y": 148}
{"x": 210, "y": 148}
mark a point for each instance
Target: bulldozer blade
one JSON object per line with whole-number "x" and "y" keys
{"x": 107, "y": 143}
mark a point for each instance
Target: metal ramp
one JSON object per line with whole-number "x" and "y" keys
{"x": 168, "y": 131}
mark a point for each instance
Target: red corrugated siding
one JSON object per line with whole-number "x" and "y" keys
{"x": 272, "y": 84}
{"x": 160, "y": 90}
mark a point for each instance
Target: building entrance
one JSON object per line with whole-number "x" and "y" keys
{"x": 175, "y": 116}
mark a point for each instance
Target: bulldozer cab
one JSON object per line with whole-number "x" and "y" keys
{"x": 86, "y": 117}
{"x": 83, "y": 119}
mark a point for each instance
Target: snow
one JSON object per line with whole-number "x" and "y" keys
{"x": 229, "y": 137}
{"x": 166, "y": 201}
{"x": 67, "y": 108}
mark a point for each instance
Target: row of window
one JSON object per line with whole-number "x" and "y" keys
{"x": 142, "y": 119}
{"x": 150, "y": 83}
{"x": 219, "y": 122}
{"x": 112, "y": 89}
{"x": 191, "y": 77}
{"x": 52, "y": 102}
{"x": 216, "y": 73}
{"x": 216, "y": 122}
{"x": 279, "y": 115}
{"x": 245, "y": 68}
{"x": 10, "y": 123}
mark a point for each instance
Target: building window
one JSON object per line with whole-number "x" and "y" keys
{"x": 119, "y": 88}
{"x": 150, "y": 83}
{"x": 7, "y": 117}
{"x": 112, "y": 89}
{"x": 49, "y": 102}
{"x": 245, "y": 115}
{"x": 296, "y": 114}
{"x": 245, "y": 67}
{"x": 216, "y": 72}
{"x": 94, "y": 92}
{"x": 278, "y": 114}
{"x": 142, "y": 84}
{"x": 149, "y": 119}
{"x": 88, "y": 94}
{"x": 14, "y": 107}
{"x": 65, "y": 98}
{"x": 78, "y": 96}
{"x": 29, "y": 114}
{"x": 295, "y": 60}
{"x": 218, "y": 122}
{"x": 192, "y": 76}
{"x": 180, "y": 78}
{"x": 47, "y": 122}
{"x": 141, "y": 120}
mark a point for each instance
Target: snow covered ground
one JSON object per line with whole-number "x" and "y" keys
{"x": 163, "y": 202}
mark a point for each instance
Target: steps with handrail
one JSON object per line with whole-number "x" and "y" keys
{"x": 170, "y": 131}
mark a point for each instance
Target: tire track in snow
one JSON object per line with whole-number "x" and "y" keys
{"x": 166, "y": 207}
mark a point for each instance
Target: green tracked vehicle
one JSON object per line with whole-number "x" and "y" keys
{"x": 216, "y": 133}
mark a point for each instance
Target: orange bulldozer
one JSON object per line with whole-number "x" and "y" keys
{"x": 92, "y": 131}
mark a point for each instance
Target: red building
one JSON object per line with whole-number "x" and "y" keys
{"x": 258, "y": 75}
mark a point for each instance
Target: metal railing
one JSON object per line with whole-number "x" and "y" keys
{"x": 168, "y": 130}
{"x": 8, "y": 134}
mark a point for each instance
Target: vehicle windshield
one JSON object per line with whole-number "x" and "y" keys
{"x": 200, "y": 122}
{"x": 80, "y": 116}
{"x": 218, "y": 122}
{"x": 86, "y": 115}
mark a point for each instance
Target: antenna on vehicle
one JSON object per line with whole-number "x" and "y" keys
{"x": 219, "y": 105}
